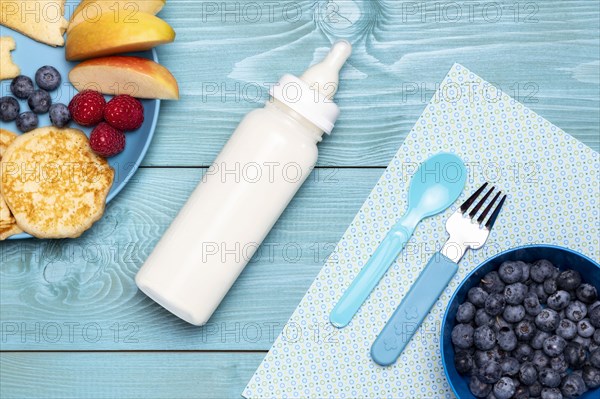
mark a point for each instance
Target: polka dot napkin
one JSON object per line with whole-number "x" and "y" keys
{"x": 553, "y": 187}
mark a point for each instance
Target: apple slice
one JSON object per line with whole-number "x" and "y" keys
{"x": 108, "y": 36}
{"x": 138, "y": 77}
{"x": 92, "y": 10}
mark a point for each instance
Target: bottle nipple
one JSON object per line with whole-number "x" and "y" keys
{"x": 324, "y": 76}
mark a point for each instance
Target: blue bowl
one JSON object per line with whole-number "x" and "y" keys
{"x": 560, "y": 257}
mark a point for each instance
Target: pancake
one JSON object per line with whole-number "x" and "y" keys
{"x": 53, "y": 183}
{"x": 9, "y": 231}
{"x": 8, "y": 69}
{"x": 41, "y": 20}
{"x": 6, "y": 138}
{"x": 8, "y": 224}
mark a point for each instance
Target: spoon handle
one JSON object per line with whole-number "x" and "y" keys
{"x": 367, "y": 279}
{"x": 413, "y": 309}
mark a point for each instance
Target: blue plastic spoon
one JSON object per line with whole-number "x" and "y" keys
{"x": 434, "y": 187}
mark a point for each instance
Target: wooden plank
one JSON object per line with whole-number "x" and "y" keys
{"x": 545, "y": 54}
{"x": 126, "y": 375}
{"x": 80, "y": 294}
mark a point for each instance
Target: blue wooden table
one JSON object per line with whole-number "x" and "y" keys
{"x": 73, "y": 323}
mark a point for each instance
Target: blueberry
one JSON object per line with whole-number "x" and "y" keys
{"x": 504, "y": 388}
{"x": 526, "y": 268}
{"x": 482, "y": 357}
{"x": 573, "y": 386}
{"x": 507, "y": 340}
{"x": 484, "y": 338}
{"x": 535, "y": 389}
{"x": 594, "y": 306}
{"x": 595, "y": 358}
{"x": 559, "y": 364}
{"x": 538, "y": 289}
{"x": 549, "y": 378}
{"x": 541, "y": 270}
{"x": 550, "y": 286}
{"x": 463, "y": 361}
{"x": 500, "y": 323}
{"x": 586, "y": 293}
{"x": 538, "y": 339}
{"x": 522, "y": 392}
{"x": 477, "y": 296}
{"x": 540, "y": 360}
{"x": 531, "y": 303}
{"x": 490, "y": 372}
{"x": 60, "y": 115}
{"x": 575, "y": 355}
{"x": 22, "y": 87}
{"x": 511, "y": 272}
{"x": 525, "y": 330}
{"x": 492, "y": 283}
{"x": 494, "y": 304}
{"x": 597, "y": 336}
{"x": 479, "y": 388}
{"x": 559, "y": 300}
{"x": 591, "y": 377}
{"x": 527, "y": 374}
{"x": 9, "y": 109}
{"x": 39, "y": 101}
{"x": 465, "y": 312}
{"x": 566, "y": 329}
{"x": 48, "y": 78}
{"x": 547, "y": 320}
{"x": 585, "y": 328}
{"x": 482, "y": 318}
{"x": 551, "y": 393}
{"x": 514, "y": 294}
{"x": 510, "y": 366}
{"x": 462, "y": 336}
{"x": 595, "y": 316}
{"x": 576, "y": 311}
{"x": 27, "y": 121}
{"x": 523, "y": 353}
{"x": 513, "y": 313}
{"x": 585, "y": 342}
{"x": 554, "y": 346}
{"x": 568, "y": 280}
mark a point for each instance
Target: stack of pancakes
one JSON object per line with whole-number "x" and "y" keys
{"x": 52, "y": 184}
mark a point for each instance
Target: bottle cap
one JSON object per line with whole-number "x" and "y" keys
{"x": 312, "y": 94}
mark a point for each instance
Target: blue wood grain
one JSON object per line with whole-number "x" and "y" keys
{"x": 80, "y": 294}
{"x": 126, "y": 375}
{"x": 545, "y": 54}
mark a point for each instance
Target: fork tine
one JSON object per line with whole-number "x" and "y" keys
{"x": 488, "y": 208}
{"x": 481, "y": 202}
{"x": 467, "y": 204}
{"x": 492, "y": 220}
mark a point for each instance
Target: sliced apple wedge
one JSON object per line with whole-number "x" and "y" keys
{"x": 92, "y": 10}
{"x": 108, "y": 36}
{"x": 138, "y": 77}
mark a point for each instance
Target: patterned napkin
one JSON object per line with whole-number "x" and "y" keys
{"x": 552, "y": 181}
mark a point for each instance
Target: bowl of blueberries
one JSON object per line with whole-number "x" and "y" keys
{"x": 525, "y": 324}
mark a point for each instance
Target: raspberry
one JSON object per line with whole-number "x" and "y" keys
{"x": 107, "y": 141}
{"x": 124, "y": 113}
{"x": 87, "y": 108}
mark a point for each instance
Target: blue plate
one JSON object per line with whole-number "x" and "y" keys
{"x": 560, "y": 257}
{"x": 31, "y": 55}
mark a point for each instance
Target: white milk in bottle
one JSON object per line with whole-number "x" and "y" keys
{"x": 244, "y": 192}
